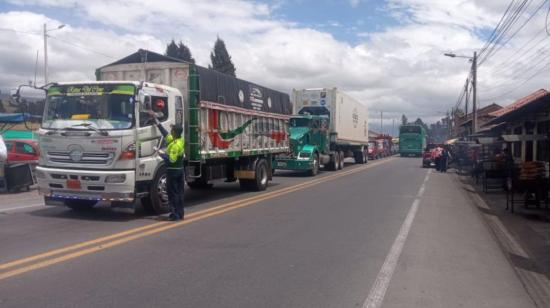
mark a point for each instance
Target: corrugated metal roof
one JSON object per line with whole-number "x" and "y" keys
{"x": 530, "y": 103}
{"x": 520, "y": 103}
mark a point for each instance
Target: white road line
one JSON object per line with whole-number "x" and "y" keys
{"x": 380, "y": 286}
{"x": 20, "y": 207}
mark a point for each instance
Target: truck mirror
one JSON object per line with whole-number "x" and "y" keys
{"x": 144, "y": 102}
{"x": 26, "y": 94}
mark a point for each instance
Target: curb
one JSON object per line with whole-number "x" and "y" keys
{"x": 536, "y": 284}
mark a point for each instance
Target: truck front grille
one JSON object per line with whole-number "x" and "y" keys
{"x": 87, "y": 158}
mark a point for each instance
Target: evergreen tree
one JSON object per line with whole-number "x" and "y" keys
{"x": 221, "y": 60}
{"x": 171, "y": 49}
{"x": 184, "y": 53}
{"x": 404, "y": 120}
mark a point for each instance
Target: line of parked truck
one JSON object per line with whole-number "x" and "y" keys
{"x": 98, "y": 142}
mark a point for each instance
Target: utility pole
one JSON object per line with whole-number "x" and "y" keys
{"x": 46, "y": 50}
{"x": 393, "y": 127}
{"x": 45, "y": 55}
{"x": 35, "y": 68}
{"x": 474, "y": 89}
{"x": 467, "y": 98}
{"x": 381, "y": 131}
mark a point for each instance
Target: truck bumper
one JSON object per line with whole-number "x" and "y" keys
{"x": 293, "y": 164}
{"x": 59, "y": 184}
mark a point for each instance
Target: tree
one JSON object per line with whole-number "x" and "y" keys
{"x": 184, "y": 53}
{"x": 171, "y": 49}
{"x": 404, "y": 120}
{"x": 221, "y": 60}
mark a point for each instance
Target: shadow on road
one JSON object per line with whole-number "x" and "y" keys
{"x": 104, "y": 212}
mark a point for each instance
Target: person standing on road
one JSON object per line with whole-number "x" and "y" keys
{"x": 444, "y": 158}
{"x": 173, "y": 158}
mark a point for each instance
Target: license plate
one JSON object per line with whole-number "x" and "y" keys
{"x": 282, "y": 164}
{"x": 73, "y": 184}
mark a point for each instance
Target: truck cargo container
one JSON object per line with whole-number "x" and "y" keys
{"x": 327, "y": 127}
{"x": 98, "y": 142}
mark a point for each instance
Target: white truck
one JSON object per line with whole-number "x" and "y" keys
{"x": 327, "y": 126}
{"x": 98, "y": 142}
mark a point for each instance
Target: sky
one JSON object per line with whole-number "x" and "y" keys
{"x": 387, "y": 54}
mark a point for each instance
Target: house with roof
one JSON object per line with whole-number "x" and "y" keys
{"x": 525, "y": 126}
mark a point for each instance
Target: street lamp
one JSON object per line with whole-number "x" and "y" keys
{"x": 474, "y": 86}
{"x": 46, "y": 49}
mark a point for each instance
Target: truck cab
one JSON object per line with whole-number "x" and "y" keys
{"x": 309, "y": 141}
{"x": 88, "y": 143}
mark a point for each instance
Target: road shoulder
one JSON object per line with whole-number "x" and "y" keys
{"x": 451, "y": 259}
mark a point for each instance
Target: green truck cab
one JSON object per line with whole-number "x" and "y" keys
{"x": 309, "y": 144}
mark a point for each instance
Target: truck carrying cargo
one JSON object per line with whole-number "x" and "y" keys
{"x": 327, "y": 127}
{"x": 99, "y": 143}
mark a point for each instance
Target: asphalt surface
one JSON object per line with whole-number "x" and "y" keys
{"x": 306, "y": 242}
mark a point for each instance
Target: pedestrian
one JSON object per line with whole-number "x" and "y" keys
{"x": 437, "y": 158}
{"x": 173, "y": 158}
{"x": 444, "y": 159}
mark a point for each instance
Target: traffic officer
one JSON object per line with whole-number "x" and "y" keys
{"x": 173, "y": 158}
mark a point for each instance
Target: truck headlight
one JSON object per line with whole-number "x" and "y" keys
{"x": 115, "y": 178}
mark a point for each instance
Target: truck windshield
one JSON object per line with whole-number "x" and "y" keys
{"x": 108, "y": 107}
{"x": 299, "y": 122}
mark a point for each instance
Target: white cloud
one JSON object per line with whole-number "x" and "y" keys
{"x": 399, "y": 69}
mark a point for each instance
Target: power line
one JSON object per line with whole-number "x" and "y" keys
{"x": 507, "y": 23}
{"x": 542, "y": 69}
{"x": 516, "y": 32}
{"x": 524, "y": 46}
{"x": 61, "y": 40}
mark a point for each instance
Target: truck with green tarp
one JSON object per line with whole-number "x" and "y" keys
{"x": 328, "y": 127}
{"x": 98, "y": 142}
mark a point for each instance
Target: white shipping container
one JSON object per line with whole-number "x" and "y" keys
{"x": 349, "y": 121}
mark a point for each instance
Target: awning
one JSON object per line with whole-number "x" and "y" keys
{"x": 16, "y": 117}
{"x": 451, "y": 141}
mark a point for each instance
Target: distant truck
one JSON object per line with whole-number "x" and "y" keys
{"x": 99, "y": 143}
{"x": 327, "y": 127}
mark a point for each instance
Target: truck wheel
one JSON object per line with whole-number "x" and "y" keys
{"x": 359, "y": 157}
{"x": 341, "y": 160}
{"x": 315, "y": 170}
{"x": 80, "y": 205}
{"x": 157, "y": 202}
{"x": 260, "y": 182}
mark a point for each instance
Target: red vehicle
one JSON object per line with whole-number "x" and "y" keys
{"x": 20, "y": 150}
{"x": 374, "y": 153}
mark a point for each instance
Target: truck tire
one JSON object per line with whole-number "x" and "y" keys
{"x": 261, "y": 180}
{"x": 341, "y": 160}
{"x": 80, "y": 205}
{"x": 359, "y": 157}
{"x": 331, "y": 165}
{"x": 157, "y": 201}
{"x": 315, "y": 170}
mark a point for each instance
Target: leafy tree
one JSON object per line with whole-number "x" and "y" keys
{"x": 184, "y": 53}
{"x": 404, "y": 120}
{"x": 171, "y": 49}
{"x": 221, "y": 60}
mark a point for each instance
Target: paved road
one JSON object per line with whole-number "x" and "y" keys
{"x": 389, "y": 233}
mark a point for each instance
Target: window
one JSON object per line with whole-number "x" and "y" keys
{"x": 9, "y": 145}
{"x": 157, "y": 104}
{"x": 24, "y": 148}
{"x": 179, "y": 110}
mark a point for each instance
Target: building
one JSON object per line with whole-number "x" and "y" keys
{"x": 525, "y": 126}
{"x": 463, "y": 126}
